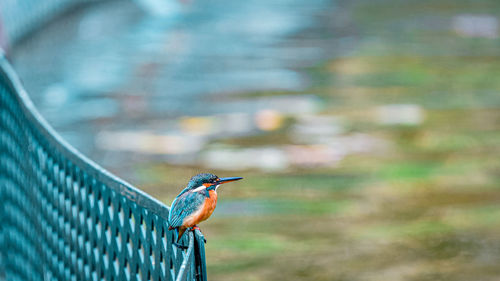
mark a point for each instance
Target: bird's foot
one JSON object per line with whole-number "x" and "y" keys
{"x": 197, "y": 228}
{"x": 182, "y": 247}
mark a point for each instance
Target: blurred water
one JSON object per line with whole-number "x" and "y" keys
{"x": 367, "y": 131}
{"x": 113, "y": 66}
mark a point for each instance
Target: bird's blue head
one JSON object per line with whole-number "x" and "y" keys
{"x": 210, "y": 181}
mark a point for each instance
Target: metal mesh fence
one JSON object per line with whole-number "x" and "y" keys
{"x": 62, "y": 217}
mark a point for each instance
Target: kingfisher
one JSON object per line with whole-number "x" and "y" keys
{"x": 195, "y": 203}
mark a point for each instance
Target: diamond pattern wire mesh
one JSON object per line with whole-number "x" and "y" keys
{"x": 62, "y": 217}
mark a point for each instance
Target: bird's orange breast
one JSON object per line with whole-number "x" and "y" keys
{"x": 204, "y": 212}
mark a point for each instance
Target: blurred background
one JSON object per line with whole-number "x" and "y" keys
{"x": 368, "y": 132}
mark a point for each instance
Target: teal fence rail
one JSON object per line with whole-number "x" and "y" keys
{"x": 62, "y": 217}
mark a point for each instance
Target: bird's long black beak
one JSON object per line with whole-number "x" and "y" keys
{"x": 226, "y": 180}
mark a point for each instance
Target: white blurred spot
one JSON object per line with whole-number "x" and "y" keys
{"x": 469, "y": 25}
{"x": 313, "y": 155}
{"x": 400, "y": 114}
{"x": 315, "y": 129}
{"x": 149, "y": 143}
{"x": 267, "y": 159}
{"x": 235, "y": 123}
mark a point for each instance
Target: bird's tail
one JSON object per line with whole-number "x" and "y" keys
{"x": 181, "y": 231}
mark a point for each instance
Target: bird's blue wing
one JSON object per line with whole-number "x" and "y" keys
{"x": 184, "y": 205}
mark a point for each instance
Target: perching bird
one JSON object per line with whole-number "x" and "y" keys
{"x": 195, "y": 203}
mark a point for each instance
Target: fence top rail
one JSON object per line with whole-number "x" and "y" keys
{"x": 53, "y": 138}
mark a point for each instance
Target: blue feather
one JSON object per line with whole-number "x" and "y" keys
{"x": 185, "y": 204}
